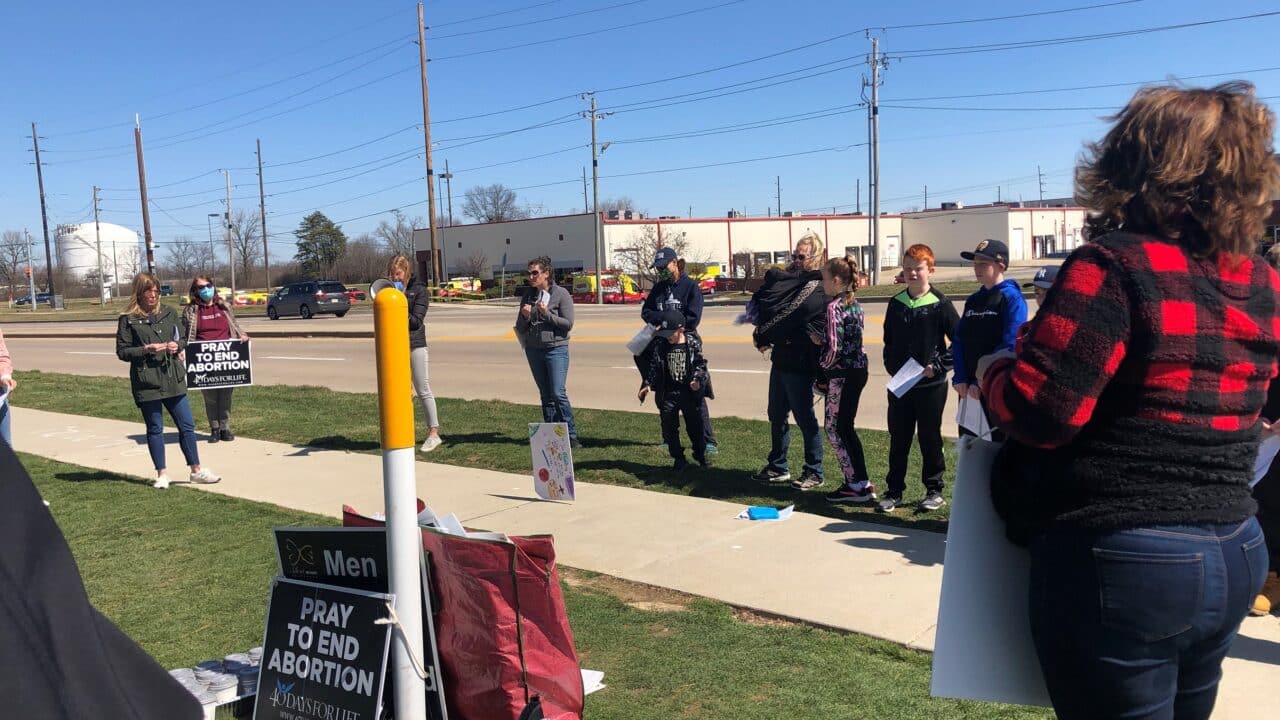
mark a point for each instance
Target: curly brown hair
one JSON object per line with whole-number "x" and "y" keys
{"x": 1191, "y": 165}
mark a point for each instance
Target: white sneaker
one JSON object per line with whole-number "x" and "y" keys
{"x": 204, "y": 477}
{"x": 161, "y": 482}
{"x": 431, "y": 443}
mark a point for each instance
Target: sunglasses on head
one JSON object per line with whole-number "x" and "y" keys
{"x": 799, "y": 256}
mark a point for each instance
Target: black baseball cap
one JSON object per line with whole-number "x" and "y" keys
{"x": 664, "y": 257}
{"x": 992, "y": 250}
{"x": 1044, "y": 277}
{"x": 672, "y": 320}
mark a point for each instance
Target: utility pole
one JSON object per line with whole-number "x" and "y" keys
{"x": 426, "y": 140}
{"x": 231, "y": 255}
{"x": 586, "y": 202}
{"x": 1040, "y": 175}
{"x": 262, "y": 222}
{"x": 873, "y": 185}
{"x": 44, "y": 217}
{"x": 97, "y": 234}
{"x": 998, "y": 200}
{"x": 859, "y": 194}
{"x": 595, "y": 194}
{"x": 777, "y": 180}
{"x": 142, "y": 191}
{"x": 31, "y": 276}
{"x": 448, "y": 188}
{"x": 926, "y": 197}
{"x": 440, "y": 196}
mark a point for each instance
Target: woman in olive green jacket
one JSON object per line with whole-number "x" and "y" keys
{"x": 150, "y": 338}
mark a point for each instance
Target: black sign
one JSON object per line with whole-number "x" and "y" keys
{"x": 213, "y": 364}
{"x": 323, "y": 656}
{"x": 356, "y": 558}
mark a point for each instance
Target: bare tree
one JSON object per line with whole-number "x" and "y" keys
{"x": 620, "y": 204}
{"x": 475, "y": 265}
{"x": 246, "y": 243}
{"x": 492, "y": 203}
{"x": 636, "y": 258}
{"x": 184, "y": 258}
{"x": 13, "y": 258}
{"x": 398, "y": 237}
{"x": 364, "y": 260}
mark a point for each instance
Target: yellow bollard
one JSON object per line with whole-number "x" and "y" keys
{"x": 404, "y": 545}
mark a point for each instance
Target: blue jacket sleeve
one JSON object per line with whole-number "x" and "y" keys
{"x": 693, "y": 307}
{"x": 649, "y": 311}
{"x": 1015, "y": 315}
{"x": 961, "y": 374}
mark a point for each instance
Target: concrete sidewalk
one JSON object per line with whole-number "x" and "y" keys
{"x": 867, "y": 578}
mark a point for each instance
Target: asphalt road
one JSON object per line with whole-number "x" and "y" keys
{"x": 473, "y": 355}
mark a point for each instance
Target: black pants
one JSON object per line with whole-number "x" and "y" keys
{"x": 843, "y": 394}
{"x": 918, "y": 412}
{"x": 670, "y": 406}
{"x": 642, "y": 364}
{"x": 1267, "y": 494}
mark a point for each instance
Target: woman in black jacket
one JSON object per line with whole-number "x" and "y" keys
{"x": 416, "y": 293}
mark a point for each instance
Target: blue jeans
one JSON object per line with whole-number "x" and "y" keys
{"x": 180, "y": 410}
{"x": 1135, "y": 623}
{"x": 792, "y": 392}
{"x": 550, "y": 368}
{"x": 6, "y": 433}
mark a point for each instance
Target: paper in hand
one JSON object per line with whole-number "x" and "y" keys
{"x": 973, "y": 418}
{"x": 906, "y": 378}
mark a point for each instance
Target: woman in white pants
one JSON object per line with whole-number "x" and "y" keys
{"x": 418, "y": 296}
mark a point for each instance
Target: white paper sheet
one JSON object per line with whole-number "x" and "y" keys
{"x": 973, "y": 418}
{"x": 1266, "y": 453}
{"x": 592, "y": 680}
{"x": 906, "y": 377}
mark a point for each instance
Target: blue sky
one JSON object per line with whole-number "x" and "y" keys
{"x": 209, "y": 79}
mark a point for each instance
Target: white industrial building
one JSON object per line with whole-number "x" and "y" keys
{"x": 568, "y": 240}
{"x": 79, "y": 247}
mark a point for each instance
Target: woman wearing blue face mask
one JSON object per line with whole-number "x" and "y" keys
{"x": 415, "y": 291}
{"x": 207, "y": 317}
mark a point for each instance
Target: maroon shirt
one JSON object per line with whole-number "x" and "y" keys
{"x": 211, "y": 323}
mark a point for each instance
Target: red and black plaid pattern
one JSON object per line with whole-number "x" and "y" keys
{"x": 1168, "y": 337}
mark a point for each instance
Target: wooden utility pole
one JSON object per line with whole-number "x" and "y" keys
{"x": 426, "y": 140}
{"x": 448, "y": 190}
{"x": 262, "y": 222}
{"x": 97, "y": 235}
{"x": 231, "y": 253}
{"x": 44, "y": 218}
{"x": 874, "y": 185}
{"x": 142, "y": 190}
{"x": 777, "y": 181}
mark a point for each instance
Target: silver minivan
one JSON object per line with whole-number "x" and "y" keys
{"x": 308, "y": 299}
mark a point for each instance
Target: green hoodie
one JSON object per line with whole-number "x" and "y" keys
{"x": 152, "y": 376}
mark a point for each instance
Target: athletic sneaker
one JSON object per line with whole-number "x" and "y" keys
{"x": 808, "y": 480}
{"x": 932, "y": 501}
{"x": 679, "y": 464}
{"x": 204, "y": 477}
{"x": 161, "y": 482}
{"x": 772, "y": 476}
{"x": 859, "y": 493}
{"x": 889, "y": 504}
{"x": 712, "y": 449}
{"x": 431, "y": 443}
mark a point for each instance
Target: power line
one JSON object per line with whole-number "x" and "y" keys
{"x": 754, "y": 125}
{"x": 1083, "y": 87}
{"x": 1039, "y": 13}
{"x": 655, "y": 103}
{"x": 574, "y": 36}
{"x": 494, "y": 15}
{"x": 538, "y": 22}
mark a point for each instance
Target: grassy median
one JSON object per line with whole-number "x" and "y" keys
{"x": 186, "y": 574}
{"x": 621, "y": 447}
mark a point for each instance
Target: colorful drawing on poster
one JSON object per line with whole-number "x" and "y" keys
{"x": 552, "y": 461}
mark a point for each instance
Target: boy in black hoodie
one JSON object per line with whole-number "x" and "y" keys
{"x": 918, "y": 323}
{"x": 677, "y": 373}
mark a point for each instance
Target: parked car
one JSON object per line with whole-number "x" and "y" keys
{"x": 166, "y": 290}
{"x": 308, "y": 299}
{"x": 41, "y": 299}
{"x": 355, "y": 294}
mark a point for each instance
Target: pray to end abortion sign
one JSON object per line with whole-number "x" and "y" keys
{"x": 213, "y": 364}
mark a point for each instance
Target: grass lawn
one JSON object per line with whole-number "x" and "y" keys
{"x": 621, "y": 447}
{"x": 186, "y": 573}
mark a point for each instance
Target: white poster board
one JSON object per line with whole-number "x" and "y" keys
{"x": 983, "y": 648}
{"x": 552, "y": 460}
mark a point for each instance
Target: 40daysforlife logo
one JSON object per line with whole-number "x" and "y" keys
{"x": 301, "y": 558}
{"x": 308, "y": 708}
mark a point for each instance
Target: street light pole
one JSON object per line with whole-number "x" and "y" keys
{"x": 208, "y": 221}
{"x": 448, "y": 187}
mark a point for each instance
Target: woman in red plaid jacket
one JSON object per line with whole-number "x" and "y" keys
{"x": 1141, "y": 380}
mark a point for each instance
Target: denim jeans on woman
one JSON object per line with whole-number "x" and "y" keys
{"x": 550, "y": 368}
{"x": 791, "y": 393}
{"x": 1135, "y": 623}
{"x": 180, "y": 410}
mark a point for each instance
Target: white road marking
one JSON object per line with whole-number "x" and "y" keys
{"x": 87, "y": 352}
{"x": 286, "y": 357}
{"x": 714, "y": 370}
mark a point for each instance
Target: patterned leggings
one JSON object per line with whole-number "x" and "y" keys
{"x": 842, "y": 407}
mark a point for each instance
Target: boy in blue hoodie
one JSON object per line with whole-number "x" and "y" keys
{"x": 990, "y": 320}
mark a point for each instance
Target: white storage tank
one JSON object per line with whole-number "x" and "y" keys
{"x": 78, "y": 251}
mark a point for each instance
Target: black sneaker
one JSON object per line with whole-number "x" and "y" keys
{"x": 215, "y": 436}
{"x": 227, "y": 436}
{"x": 889, "y": 504}
{"x": 702, "y": 461}
{"x": 575, "y": 443}
{"x": 772, "y": 476}
{"x": 850, "y": 493}
{"x": 932, "y": 501}
{"x": 679, "y": 464}
{"x": 808, "y": 480}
